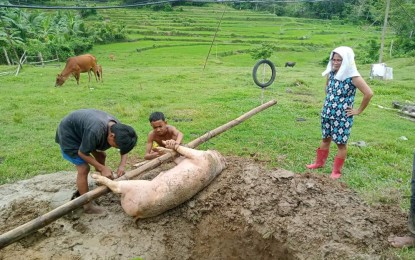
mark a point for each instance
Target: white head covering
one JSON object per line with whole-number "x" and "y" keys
{"x": 348, "y": 68}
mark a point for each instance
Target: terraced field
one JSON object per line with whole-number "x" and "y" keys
{"x": 233, "y": 31}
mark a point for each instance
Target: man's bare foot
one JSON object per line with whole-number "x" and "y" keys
{"x": 91, "y": 208}
{"x": 400, "y": 242}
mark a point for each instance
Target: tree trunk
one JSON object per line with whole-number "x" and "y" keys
{"x": 6, "y": 55}
{"x": 12, "y": 45}
{"x": 15, "y": 52}
{"x": 41, "y": 59}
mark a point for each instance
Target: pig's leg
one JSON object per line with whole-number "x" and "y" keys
{"x": 188, "y": 152}
{"x": 183, "y": 150}
{"x": 113, "y": 185}
{"x": 163, "y": 150}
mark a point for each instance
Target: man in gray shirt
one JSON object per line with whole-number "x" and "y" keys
{"x": 84, "y": 135}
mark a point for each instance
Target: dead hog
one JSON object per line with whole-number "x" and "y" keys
{"x": 143, "y": 198}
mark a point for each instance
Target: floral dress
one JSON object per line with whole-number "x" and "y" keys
{"x": 334, "y": 121}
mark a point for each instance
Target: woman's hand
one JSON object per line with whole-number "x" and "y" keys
{"x": 351, "y": 112}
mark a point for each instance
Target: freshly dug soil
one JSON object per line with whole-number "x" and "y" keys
{"x": 247, "y": 212}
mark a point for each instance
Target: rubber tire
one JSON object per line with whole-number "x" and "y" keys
{"x": 255, "y": 70}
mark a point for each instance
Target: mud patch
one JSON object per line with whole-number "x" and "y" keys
{"x": 247, "y": 212}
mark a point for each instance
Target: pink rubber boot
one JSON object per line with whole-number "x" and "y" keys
{"x": 337, "y": 168}
{"x": 322, "y": 155}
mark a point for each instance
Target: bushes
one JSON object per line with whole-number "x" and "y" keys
{"x": 263, "y": 52}
{"x": 80, "y": 46}
{"x": 163, "y": 7}
{"x": 368, "y": 52}
{"x": 405, "y": 47}
{"x": 60, "y": 33}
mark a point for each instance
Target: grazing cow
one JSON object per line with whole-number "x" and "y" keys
{"x": 77, "y": 65}
{"x": 290, "y": 64}
{"x": 144, "y": 198}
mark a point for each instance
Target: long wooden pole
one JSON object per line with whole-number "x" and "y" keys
{"x": 31, "y": 226}
{"x": 214, "y": 37}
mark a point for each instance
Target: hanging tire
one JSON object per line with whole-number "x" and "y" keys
{"x": 255, "y": 73}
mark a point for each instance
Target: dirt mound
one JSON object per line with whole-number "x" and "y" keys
{"x": 248, "y": 212}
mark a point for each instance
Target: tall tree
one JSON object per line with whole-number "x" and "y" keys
{"x": 10, "y": 32}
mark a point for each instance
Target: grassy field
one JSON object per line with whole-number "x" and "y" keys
{"x": 160, "y": 68}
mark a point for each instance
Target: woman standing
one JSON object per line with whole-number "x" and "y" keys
{"x": 337, "y": 114}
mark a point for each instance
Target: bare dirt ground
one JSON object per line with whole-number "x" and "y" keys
{"x": 247, "y": 212}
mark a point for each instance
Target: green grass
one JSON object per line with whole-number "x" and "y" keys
{"x": 170, "y": 78}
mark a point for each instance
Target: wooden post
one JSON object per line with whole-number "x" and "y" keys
{"x": 390, "y": 50}
{"x": 385, "y": 23}
{"x": 31, "y": 226}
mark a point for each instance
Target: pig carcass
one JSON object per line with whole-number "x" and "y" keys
{"x": 148, "y": 198}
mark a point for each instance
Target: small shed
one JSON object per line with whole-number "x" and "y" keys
{"x": 381, "y": 71}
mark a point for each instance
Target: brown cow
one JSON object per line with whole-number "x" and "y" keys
{"x": 77, "y": 65}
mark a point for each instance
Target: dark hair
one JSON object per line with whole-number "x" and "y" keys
{"x": 125, "y": 137}
{"x": 156, "y": 116}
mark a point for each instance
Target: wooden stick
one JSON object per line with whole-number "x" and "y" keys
{"x": 31, "y": 226}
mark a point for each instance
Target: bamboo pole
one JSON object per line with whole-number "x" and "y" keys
{"x": 33, "y": 225}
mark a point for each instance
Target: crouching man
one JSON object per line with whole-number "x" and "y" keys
{"x": 143, "y": 198}
{"x": 83, "y": 136}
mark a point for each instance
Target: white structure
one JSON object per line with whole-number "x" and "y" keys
{"x": 380, "y": 70}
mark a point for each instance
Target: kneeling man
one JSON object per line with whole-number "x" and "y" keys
{"x": 143, "y": 198}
